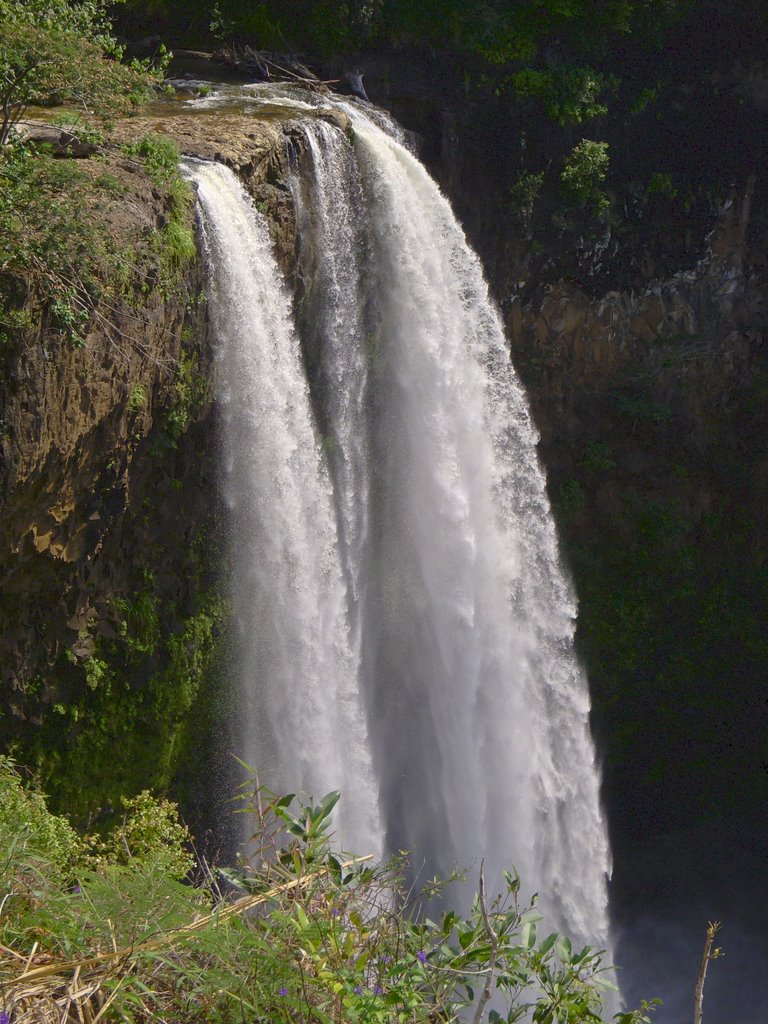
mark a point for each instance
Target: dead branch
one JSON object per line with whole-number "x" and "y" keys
{"x": 709, "y": 954}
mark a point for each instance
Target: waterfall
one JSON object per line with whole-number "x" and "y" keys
{"x": 407, "y": 625}
{"x": 300, "y": 711}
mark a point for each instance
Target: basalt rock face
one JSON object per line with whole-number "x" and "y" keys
{"x": 652, "y": 410}
{"x": 76, "y": 421}
{"x": 104, "y": 492}
{"x": 112, "y": 615}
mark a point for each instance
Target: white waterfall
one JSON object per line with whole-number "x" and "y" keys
{"x": 301, "y": 716}
{"x": 404, "y": 612}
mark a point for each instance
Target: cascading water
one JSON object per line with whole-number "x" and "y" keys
{"x": 301, "y": 714}
{"x": 405, "y": 616}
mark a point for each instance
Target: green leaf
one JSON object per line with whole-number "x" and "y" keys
{"x": 513, "y": 881}
{"x": 329, "y": 803}
{"x": 528, "y": 934}
{"x": 548, "y": 943}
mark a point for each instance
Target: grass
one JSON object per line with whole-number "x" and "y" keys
{"x": 68, "y": 252}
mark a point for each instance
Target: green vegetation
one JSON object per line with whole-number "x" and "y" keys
{"x": 137, "y": 399}
{"x": 498, "y": 30}
{"x": 60, "y": 257}
{"x": 569, "y": 95}
{"x": 584, "y": 173}
{"x": 130, "y": 706}
{"x": 175, "y": 243}
{"x": 668, "y": 554}
{"x": 190, "y": 391}
{"x": 300, "y": 935}
{"x": 52, "y": 49}
{"x": 46, "y": 243}
{"x": 524, "y": 193}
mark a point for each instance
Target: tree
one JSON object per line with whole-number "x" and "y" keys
{"x": 53, "y": 51}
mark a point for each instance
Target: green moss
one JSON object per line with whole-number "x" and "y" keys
{"x": 124, "y": 724}
{"x": 190, "y": 393}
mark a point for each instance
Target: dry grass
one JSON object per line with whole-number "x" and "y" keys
{"x": 38, "y": 989}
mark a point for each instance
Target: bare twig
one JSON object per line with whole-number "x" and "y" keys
{"x": 709, "y": 954}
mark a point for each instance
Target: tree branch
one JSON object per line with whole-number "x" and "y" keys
{"x": 494, "y": 940}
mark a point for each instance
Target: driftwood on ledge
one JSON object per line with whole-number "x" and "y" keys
{"x": 270, "y": 67}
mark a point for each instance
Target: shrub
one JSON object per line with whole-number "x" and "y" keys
{"x": 53, "y": 49}
{"x": 585, "y": 170}
{"x": 569, "y": 94}
{"x": 524, "y": 193}
{"x": 314, "y": 938}
{"x": 150, "y": 833}
{"x": 28, "y": 830}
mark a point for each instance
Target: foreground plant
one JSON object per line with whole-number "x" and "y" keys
{"x": 106, "y": 930}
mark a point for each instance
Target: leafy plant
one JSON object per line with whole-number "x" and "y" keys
{"x": 28, "y": 828}
{"x": 524, "y": 193}
{"x": 189, "y": 393}
{"x": 137, "y": 399}
{"x": 661, "y": 185}
{"x": 53, "y": 49}
{"x": 583, "y": 174}
{"x": 159, "y": 155}
{"x": 315, "y": 937}
{"x": 569, "y": 94}
{"x": 597, "y": 457}
{"x": 140, "y": 626}
{"x": 174, "y": 244}
{"x": 149, "y": 832}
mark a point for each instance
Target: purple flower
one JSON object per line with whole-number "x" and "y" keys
{"x": 4, "y": 1018}
{"x": 283, "y": 992}
{"x": 358, "y": 990}
{"x": 421, "y": 956}
{"x": 335, "y": 912}
{"x": 386, "y": 959}
{"x": 378, "y": 990}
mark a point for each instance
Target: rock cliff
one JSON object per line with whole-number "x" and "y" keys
{"x": 110, "y": 550}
